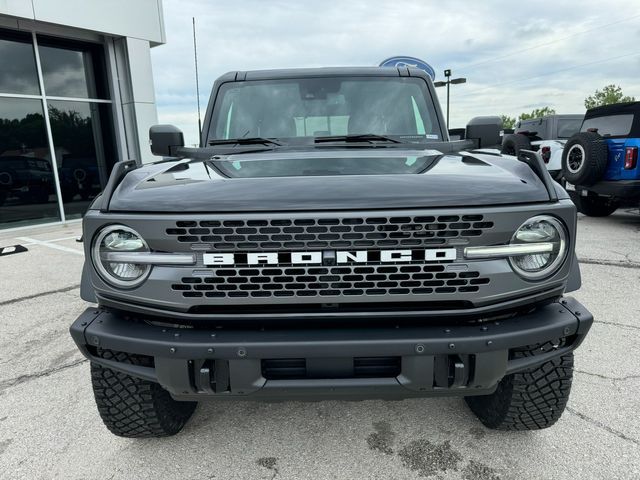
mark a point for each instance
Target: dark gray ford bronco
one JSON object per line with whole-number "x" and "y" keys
{"x": 327, "y": 240}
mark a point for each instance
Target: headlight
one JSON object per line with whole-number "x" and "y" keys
{"x": 118, "y": 238}
{"x": 542, "y": 229}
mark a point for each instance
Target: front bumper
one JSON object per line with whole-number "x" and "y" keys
{"x": 334, "y": 362}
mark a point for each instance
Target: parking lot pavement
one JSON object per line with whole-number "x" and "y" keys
{"x": 53, "y": 261}
{"x": 49, "y": 426}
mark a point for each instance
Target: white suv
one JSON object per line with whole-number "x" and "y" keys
{"x": 546, "y": 135}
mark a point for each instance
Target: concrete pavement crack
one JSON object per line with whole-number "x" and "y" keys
{"x": 615, "y": 324}
{"x": 602, "y": 426}
{"x": 609, "y": 263}
{"x": 12, "y": 382}
{"x": 615, "y": 379}
{"x": 36, "y": 295}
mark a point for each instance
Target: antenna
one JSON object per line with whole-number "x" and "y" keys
{"x": 195, "y": 57}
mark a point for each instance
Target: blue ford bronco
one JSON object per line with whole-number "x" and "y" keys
{"x": 600, "y": 163}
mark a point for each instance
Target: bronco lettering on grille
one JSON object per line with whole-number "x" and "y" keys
{"x": 329, "y": 257}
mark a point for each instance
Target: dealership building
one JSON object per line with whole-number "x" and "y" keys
{"x": 76, "y": 96}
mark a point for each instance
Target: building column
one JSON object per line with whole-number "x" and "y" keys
{"x": 137, "y": 98}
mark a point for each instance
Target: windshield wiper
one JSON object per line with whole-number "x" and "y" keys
{"x": 245, "y": 141}
{"x": 357, "y": 137}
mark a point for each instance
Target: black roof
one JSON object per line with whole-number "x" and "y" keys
{"x": 324, "y": 72}
{"x": 615, "y": 109}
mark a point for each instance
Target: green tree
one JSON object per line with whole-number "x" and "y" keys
{"x": 537, "y": 113}
{"x": 608, "y": 95}
{"x": 25, "y": 133}
{"x": 507, "y": 121}
{"x": 72, "y": 130}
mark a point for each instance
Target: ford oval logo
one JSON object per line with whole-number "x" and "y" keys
{"x": 409, "y": 62}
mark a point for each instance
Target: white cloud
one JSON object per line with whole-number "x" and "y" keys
{"x": 475, "y": 39}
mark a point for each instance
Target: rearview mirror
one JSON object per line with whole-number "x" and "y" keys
{"x": 165, "y": 140}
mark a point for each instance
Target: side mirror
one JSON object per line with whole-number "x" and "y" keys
{"x": 485, "y": 131}
{"x": 456, "y": 133}
{"x": 165, "y": 140}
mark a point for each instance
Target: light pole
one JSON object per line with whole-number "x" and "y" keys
{"x": 455, "y": 81}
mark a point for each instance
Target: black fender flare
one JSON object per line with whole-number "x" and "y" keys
{"x": 87, "y": 293}
{"x": 574, "y": 281}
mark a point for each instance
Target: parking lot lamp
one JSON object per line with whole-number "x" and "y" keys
{"x": 447, "y": 74}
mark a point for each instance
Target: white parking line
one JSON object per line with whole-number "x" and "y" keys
{"x": 33, "y": 241}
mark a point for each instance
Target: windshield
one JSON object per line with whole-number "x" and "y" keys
{"x": 317, "y": 107}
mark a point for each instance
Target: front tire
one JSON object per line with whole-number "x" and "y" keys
{"x": 135, "y": 408}
{"x": 529, "y": 400}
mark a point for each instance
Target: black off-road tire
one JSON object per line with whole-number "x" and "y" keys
{"x": 135, "y": 408}
{"x": 584, "y": 158}
{"x": 529, "y": 400}
{"x": 513, "y": 143}
{"x": 594, "y": 206}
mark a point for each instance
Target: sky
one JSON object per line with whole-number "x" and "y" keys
{"x": 516, "y": 56}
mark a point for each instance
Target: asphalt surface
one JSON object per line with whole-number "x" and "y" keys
{"x": 49, "y": 426}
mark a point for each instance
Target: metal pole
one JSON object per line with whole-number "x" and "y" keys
{"x": 448, "y": 83}
{"x": 47, "y": 124}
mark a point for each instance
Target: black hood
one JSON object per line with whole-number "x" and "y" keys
{"x": 437, "y": 180}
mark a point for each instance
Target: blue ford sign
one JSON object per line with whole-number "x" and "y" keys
{"x": 402, "y": 61}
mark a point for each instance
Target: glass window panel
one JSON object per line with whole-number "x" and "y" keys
{"x": 289, "y": 108}
{"x": 27, "y": 184}
{"x": 18, "y": 73}
{"x": 610, "y": 125}
{"x": 84, "y": 151}
{"x": 568, "y": 127}
{"x": 67, "y": 73}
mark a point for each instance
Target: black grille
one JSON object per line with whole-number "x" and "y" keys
{"x": 351, "y": 281}
{"x": 362, "y": 367}
{"x": 300, "y": 234}
{"x": 284, "y": 368}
